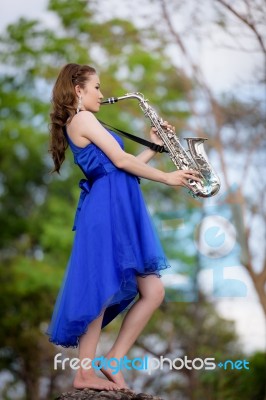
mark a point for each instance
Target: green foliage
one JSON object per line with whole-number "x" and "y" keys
{"x": 232, "y": 383}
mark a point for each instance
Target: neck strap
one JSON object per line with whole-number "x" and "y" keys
{"x": 152, "y": 146}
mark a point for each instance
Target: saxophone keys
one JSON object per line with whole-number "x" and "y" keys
{"x": 170, "y": 135}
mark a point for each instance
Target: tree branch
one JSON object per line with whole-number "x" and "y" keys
{"x": 246, "y": 21}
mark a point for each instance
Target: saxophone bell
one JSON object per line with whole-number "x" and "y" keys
{"x": 211, "y": 183}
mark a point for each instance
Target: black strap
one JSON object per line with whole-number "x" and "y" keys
{"x": 152, "y": 146}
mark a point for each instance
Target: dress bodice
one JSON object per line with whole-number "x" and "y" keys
{"x": 94, "y": 164}
{"x": 91, "y": 159}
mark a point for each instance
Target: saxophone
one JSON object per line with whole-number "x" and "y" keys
{"x": 193, "y": 158}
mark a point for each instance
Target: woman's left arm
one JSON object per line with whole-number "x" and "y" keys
{"x": 146, "y": 155}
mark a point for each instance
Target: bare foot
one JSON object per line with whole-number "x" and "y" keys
{"x": 92, "y": 381}
{"x": 117, "y": 378}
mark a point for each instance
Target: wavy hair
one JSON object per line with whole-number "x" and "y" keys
{"x": 64, "y": 103}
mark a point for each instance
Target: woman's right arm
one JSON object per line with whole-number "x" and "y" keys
{"x": 85, "y": 125}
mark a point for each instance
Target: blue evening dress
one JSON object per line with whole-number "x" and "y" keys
{"x": 115, "y": 241}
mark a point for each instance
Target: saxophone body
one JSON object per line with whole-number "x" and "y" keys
{"x": 192, "y": 158}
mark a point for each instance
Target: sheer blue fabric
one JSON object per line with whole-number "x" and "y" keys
{"x": 115, "y": 241}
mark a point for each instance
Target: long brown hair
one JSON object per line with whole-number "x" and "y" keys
{"x": 64, "y": 100}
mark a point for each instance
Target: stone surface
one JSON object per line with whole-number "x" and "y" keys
{"x": 90, "y": 394}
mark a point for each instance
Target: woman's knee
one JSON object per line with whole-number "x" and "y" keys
{"x": 153, "y": 290}
{"x": 159, "y": 296}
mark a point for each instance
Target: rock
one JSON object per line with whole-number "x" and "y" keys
{"x": 90, "y": 394}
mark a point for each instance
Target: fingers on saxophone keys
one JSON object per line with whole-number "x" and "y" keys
{"x": 168, "y": 127}
{"x": 185, "y": 183}
{"x": 194, "y": 175}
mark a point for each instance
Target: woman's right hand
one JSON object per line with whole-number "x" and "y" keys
{"x": 182, "y": 177}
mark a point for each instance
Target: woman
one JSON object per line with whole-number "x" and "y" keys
{"x": 116, "y": 253}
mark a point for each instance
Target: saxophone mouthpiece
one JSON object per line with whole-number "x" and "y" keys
{"x": 110, "y": 100}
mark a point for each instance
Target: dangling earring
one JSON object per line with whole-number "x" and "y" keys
{"x": 79, "y": 104}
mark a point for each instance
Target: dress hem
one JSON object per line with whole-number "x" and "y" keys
{"x": 128, "y": 301}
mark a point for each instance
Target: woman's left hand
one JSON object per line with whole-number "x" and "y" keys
{"x": 153, "y": 133}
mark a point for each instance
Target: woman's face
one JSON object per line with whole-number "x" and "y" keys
{"x": 91, "y": 94}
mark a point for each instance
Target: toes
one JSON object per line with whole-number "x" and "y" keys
{"x": 113, "y": 387}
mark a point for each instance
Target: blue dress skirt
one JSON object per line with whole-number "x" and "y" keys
{"x": 114, "y": 242}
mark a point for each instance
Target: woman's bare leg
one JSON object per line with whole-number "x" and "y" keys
{"x": 151, "y": 296}
{"x": 87, "y": 378}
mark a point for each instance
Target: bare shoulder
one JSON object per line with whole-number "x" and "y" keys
{"x": 81, "y": 126}
{"x": 81, "y": 120}
{"x": 85, "y": 128}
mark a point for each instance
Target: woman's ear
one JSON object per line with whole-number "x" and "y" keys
{"x": 77, "y": 90}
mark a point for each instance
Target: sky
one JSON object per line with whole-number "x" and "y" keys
{"x": 223, "y": 69}
{"x": 13, "y": 9}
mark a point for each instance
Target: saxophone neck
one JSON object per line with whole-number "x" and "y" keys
{"x": 134, "y": 95}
